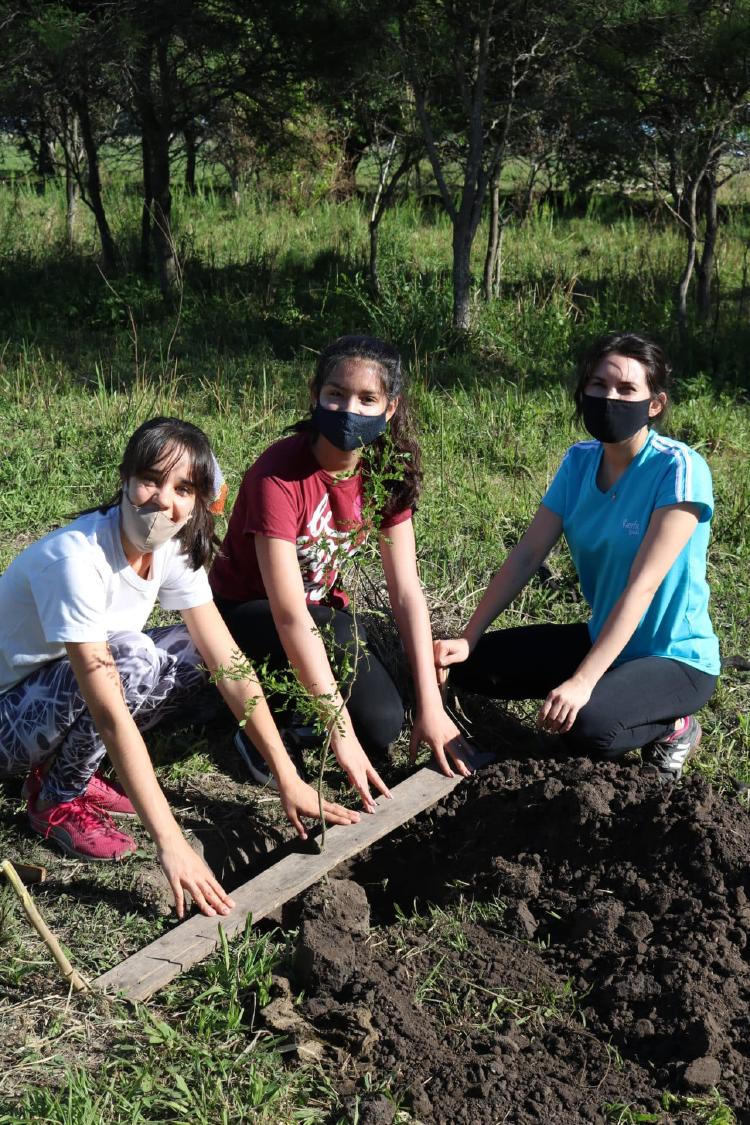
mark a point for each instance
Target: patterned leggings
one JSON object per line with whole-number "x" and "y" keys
{"x": 45, "y": 716}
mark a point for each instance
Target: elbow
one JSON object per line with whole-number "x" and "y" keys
{"x": 289, "y": 620}
{"x": 525, "y": 564}
{"x": 642, "y": 590}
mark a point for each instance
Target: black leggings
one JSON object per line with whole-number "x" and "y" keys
{"x": 631, "y": 705}
{"x": 374, "y": 704}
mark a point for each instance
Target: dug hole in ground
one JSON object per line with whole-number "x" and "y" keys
{"x": 556, "y": 942}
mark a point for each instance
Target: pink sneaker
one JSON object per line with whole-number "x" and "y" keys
{"x": 81, "y": 829}
{"x": 107, "y": 795}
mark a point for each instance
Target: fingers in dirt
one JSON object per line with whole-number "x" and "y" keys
{"x": 297, "y": 824}
{"x": 179, "y": 899}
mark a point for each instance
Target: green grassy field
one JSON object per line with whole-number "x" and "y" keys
{"x": 84, "y": 360}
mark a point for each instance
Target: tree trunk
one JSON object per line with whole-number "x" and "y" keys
{"x": 462, "y": 240}
{"x": 161, "y": 230}
{"x": 45, "y": 162}
{"x": 148, "y": 197}
{"x": 155, "y": 116}
{"x": 691, "y": 232}
{"x": 493, "y": 240}
{"x": 528, "y": 199}
{"x": 234, "y": 187}
{"x": 189, "y": 134}
{"x": 73, "y": 156}
{"x": 374, "y": 276}
{"x": 383, "y": 196}
{"x": 94, "y": 184}
{"x": 71, "y": 205}
{"x": 705, "y": 264}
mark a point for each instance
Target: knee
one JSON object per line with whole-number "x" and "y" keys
{"x": 380, "y": 728}
{"x": 347, "y": 632}
{"x": 594, "y": 730}
{"x": 138, "y": 662}
{"x": 132, "y": 649}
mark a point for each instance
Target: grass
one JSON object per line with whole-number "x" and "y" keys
{"x": 707, "y": 1110}
{"x": 82, "y": 362}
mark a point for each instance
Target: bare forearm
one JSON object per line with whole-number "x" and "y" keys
{"x": 306, "y": 652}
{"x": 507, "y": 583}
{"x": 128, "y": 753}
{"x": 413, "y": 622}
{"x": 619, "y": 627}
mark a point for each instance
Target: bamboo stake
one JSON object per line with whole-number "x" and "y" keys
{"x": 45, "y": 933}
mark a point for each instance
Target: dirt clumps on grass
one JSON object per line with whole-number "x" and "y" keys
{"x": 556, "y": 940}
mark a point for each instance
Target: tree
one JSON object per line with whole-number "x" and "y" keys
{"x": 185, "y": 63}
{"x": 59, "y": 82}
{"x": 470, "y": 64}
{"x": 666, "y": 96}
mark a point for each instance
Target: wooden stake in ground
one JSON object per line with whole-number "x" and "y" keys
{"x": 45, "y": 933}
{"x": 145, "y": 972}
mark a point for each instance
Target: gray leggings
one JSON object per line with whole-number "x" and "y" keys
{"x": 45, "y": 715}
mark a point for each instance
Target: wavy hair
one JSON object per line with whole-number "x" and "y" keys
{"x": 398, "y": 458}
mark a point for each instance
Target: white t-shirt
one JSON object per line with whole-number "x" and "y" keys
{"x": 75, "y": 584}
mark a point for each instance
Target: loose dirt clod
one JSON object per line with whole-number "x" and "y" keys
{"x": 575, "y": 938}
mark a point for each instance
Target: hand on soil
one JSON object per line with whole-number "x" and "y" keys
{"x": 560, "y": 709}
{"x": 360, "y": 771}
{"x": 186, "y": 871}
{"x": 441, "y": 734}
{"x": 300, "y": 799}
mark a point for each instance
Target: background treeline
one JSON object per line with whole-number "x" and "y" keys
{"x": 482, "y": 109}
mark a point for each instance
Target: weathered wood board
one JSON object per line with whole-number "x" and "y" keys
{"x": 139, "y": 976}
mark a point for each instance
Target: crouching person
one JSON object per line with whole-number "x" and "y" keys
{"x": 80, "y": 679}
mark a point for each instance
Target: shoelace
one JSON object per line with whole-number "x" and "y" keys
{"x": 90, "y": 817}
{"x": 102, "y": 785}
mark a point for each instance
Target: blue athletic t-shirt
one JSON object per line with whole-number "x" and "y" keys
{"x": 605, "y": 529}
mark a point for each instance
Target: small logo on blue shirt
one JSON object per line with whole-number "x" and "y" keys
{"x": 633, "y": 527}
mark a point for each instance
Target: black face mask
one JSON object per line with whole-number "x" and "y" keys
{"x": 348, "y": 431}
{"x": 614, "y": 419}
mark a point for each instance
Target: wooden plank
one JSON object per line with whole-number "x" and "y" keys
{"x": 30, "y": 872}
{"x": 142, "y": 974}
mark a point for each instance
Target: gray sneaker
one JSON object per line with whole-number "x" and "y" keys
{"x": 256, "y": 763}
{"x": 667, "y": 756}
{"x": 253, "y": 759}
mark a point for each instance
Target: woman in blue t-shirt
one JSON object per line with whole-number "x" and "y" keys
{"x": 635, "y": 509}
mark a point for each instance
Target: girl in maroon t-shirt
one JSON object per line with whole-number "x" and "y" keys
{"x": 300, "y": 507}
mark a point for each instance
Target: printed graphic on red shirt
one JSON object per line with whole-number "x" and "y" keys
{"x": 286, "y": 495}
{"x": 323, "y": 549}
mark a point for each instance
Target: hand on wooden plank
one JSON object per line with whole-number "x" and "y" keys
{"x": 300, "y": 799}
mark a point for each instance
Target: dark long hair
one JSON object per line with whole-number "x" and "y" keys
{"x": 648, "y": 353}
{"x": 398, "y": 459}
{"x": 162, "y": 441}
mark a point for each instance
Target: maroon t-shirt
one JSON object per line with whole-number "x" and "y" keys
{"x": 286, "y": 495}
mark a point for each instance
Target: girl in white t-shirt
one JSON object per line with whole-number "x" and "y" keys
{"x": 79, "y": 678}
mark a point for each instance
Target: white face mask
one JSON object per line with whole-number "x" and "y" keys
{"x": 148, "y": 528}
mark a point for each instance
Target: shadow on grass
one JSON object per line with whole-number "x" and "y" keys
{"x": 261, "y": 310}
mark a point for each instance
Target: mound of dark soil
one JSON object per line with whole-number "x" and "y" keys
{"x": 580, "y": 939}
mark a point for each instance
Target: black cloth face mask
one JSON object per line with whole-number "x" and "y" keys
{"x": 614, "y": 419}
{"x": 348, "y": 431}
